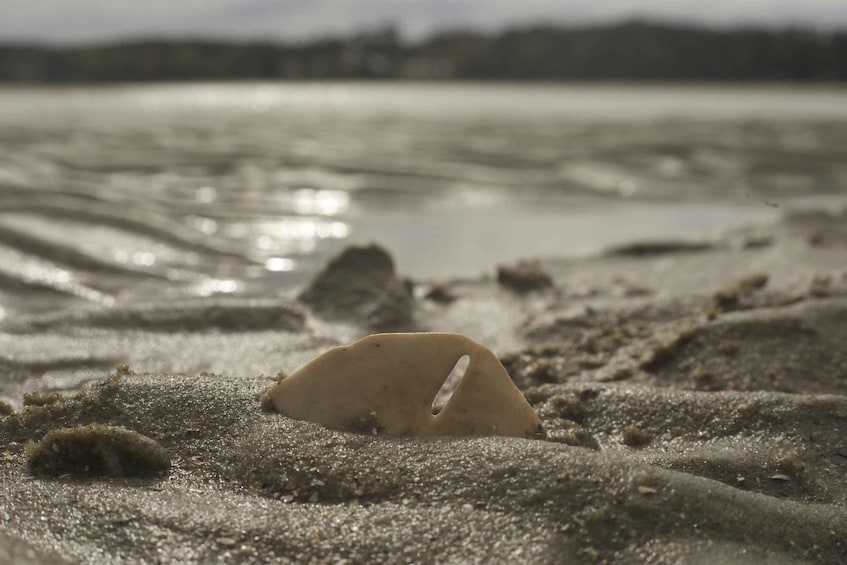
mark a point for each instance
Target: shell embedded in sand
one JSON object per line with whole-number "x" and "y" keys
{"x": 387, "y": 382}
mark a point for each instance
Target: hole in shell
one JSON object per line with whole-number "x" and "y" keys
{"x": 442, "y": 397}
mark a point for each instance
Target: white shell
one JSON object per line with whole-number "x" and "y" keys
{"x": 387, "y": 382}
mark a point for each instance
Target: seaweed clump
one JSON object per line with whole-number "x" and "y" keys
{"x": 97, "y": 450}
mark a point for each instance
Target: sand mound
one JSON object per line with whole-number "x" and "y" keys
{"x": 796, "y": 349}
{"x": 247, "y": 482}
{"x": 359, "y": 284}
{"x": 821, "y": 228}
{"x": 192, "y": 316}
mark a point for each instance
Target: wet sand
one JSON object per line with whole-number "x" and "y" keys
{"x": 693, "y": 395}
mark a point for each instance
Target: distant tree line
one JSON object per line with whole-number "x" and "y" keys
{"x": 625, "y": 51}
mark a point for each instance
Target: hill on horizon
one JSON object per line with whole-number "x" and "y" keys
{"x": 633, "y": 50}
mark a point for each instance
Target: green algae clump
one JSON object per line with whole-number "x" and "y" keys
{"x": 99, "y": 451}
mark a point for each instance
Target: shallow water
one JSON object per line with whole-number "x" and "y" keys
{"x": 171, "y": 191}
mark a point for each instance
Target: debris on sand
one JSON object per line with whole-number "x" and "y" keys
{"x": 654, "y": 248}
{"x": 97, "y": 450}
{"x": 524, "y": 277}
{"x": 388, "y": 382}
{"x": 633, "y": 436}
{"x": 820, "y": 286}
{"x": 360, "y": 285}
{"x": 736, "y": 295}
{"x": 440, "y": 294}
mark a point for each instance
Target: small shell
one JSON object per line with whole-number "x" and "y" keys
{"x": 387, "y": 383}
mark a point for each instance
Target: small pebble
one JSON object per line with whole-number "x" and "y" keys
{"x": 226, "y": 541}
{"x": 633, "y": 436}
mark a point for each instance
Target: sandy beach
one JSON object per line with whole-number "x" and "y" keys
{"x": 661, "y": 271}
{"x": 692, "y": 396}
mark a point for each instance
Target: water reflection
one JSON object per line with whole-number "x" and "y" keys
{"x": 280, "y": 264}
{"x": 206, "y": 194}
{"x": 272, "y": 243}
{"x": 602, "y": 177}
{"x": 264, "y": 242}
{"x": 298, "y": 235}
{"x": 210, "y": 286}
{"x": 144, "y": 258}
{"x": 308, "y": 201}
{"x": 43, "y": 273}
{"x": 207, "y": 226}
{"x": 141, "y": 258}
{"x": 308, "y": 221}
{"x": 298, "y": 229}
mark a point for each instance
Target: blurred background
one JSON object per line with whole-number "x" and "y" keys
{"x": 183, "y": 148}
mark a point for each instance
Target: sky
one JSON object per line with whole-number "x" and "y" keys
{"x": 75, "y": 21}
